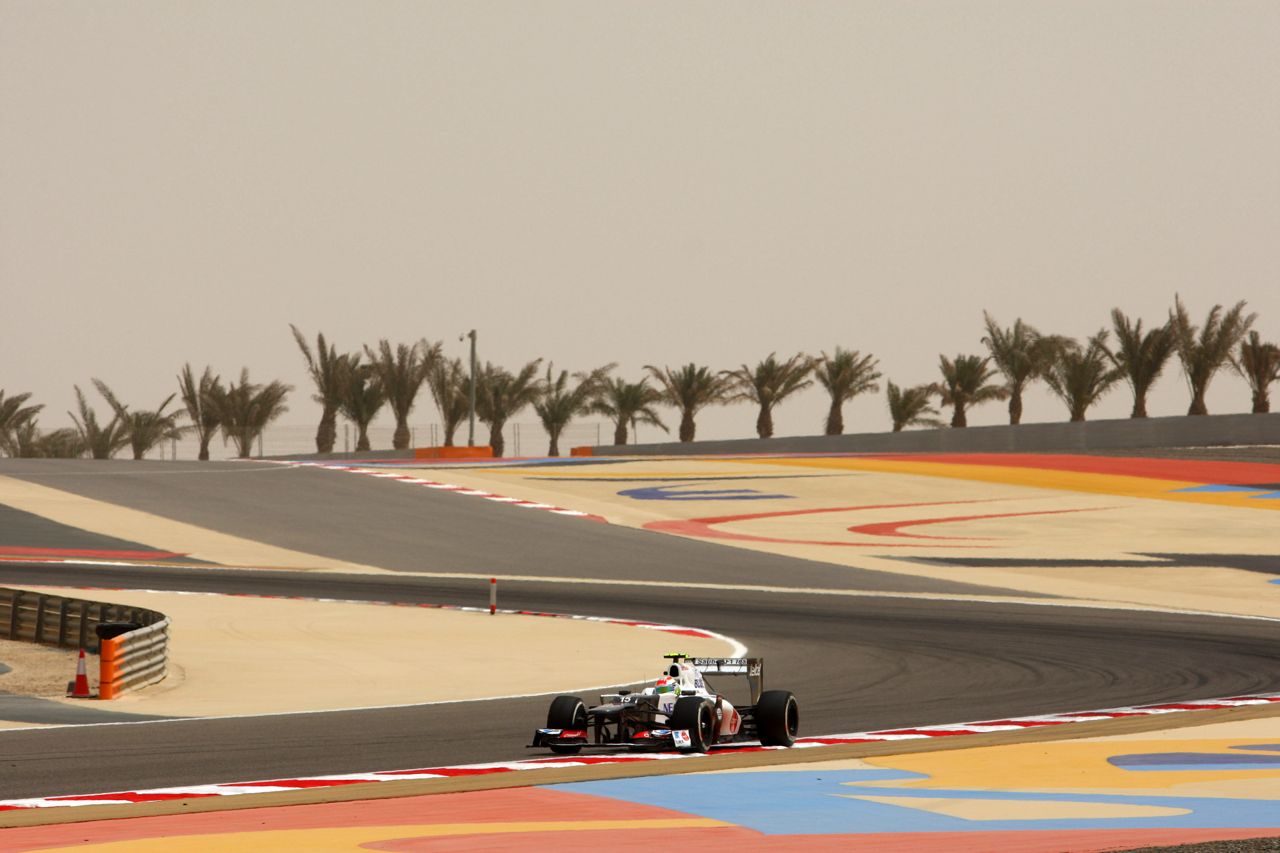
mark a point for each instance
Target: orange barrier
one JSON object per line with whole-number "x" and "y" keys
{"x": 585, "y": 450}
{"x": 109, "y": 668}
{"x": 485, "y": 452}
{"x": 133, "y": 659}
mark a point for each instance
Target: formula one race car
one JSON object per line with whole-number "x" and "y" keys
{"x": 680, "y": 711}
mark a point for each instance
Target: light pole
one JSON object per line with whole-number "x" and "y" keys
{"x": 471, "y": 427}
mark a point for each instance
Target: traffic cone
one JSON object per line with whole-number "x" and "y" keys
{"x": 81, "y": 688}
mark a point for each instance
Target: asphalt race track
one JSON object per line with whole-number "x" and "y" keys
{"x": 856, "y": 663}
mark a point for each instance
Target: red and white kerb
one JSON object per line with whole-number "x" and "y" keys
{"x": 227, "y": 789}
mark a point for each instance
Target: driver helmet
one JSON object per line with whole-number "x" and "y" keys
{"x": 666, "y": 684}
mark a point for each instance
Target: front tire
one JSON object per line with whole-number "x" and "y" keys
{"x": 567, "y": 713}
{"x": 698, "y": 716}
{"x": 777, "y": 718}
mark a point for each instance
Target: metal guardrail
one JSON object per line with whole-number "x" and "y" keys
{"x": 126, "y": 662}
{"x": 53, "y": 620}
{"x": 134, "y": 659}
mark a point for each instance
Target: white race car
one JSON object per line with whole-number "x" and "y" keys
{"x": 680, "y": 711}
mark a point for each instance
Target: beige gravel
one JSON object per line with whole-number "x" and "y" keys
{"x": 36, "y": 670}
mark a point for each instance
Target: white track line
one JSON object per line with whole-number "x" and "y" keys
{"x": 1081, "y": 604}
{"x": 468, "y": 491}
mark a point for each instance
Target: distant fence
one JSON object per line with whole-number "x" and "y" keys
{"x": 1128, "y": 434}
{"x": 135, "y": 657}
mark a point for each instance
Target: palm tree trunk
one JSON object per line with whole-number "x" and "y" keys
{"x": 959, "y": 419}
{"x": 1139, "y": 404}
{"x": 687, "y": 427}
{"x": 203, "y": 456}
{"x": 897, "y": 427}
{"x": 835, "y": 418}
{"x": 620, "y": 431}
{"x": 400, "y": 440}
{"x": 1197, "y": 403}
{"x": 327, "y": 432}
{"x": 449, "y": 430}
{"x": 1015, "y": 407}
{"x": 1261, "y": 402}
{"x": 362, "y": 441}
{"x": 764, "y": 422}
{"x": 554, "y": 449}
{"x": 496, "y": 440}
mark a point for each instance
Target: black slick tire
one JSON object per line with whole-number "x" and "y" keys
{"x": 567, "y": 713}
{"x": 777, "y": 718}
{"x": 699, "y": 717}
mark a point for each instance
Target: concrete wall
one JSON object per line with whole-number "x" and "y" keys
{"x": 1182, "y": 431}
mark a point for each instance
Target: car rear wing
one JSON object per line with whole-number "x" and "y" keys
{"x": 752, "y": 668}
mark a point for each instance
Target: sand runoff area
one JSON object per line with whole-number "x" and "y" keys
{"x": 239, "y": 655}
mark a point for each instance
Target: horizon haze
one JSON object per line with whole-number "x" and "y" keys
{"x": 638, "y": 183}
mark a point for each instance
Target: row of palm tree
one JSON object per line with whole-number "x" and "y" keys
{"x": 358, "y": 385}
{"x": 240, "y": 410}
{"x": 1081, "y": 374}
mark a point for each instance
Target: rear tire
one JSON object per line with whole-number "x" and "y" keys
{"x": 567, "y": 713}
{"x": 699, "y": 717}
{"x": 777, "y": 718}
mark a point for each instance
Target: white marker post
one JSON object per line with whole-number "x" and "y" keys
{"x": 493, "y": 596}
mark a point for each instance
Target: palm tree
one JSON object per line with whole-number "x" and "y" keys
{"x": 24, "y": 441}
{"x": 690, "y": 389}
{"x": 1259, "y": 364}
{"x": 64, "y": 443}
{"x": 363, "y": 395}
{"x": 964, "y": 384}
{"x": 628, "y": 403}
{"x": 1203, "y": 351}
{"x": 769, "y": 383}
{"x": 1139, "y": 357}
{"x": 557, "y": 404}
{"x": 323, "y": 368}
{"x": 910, "y": 406}
{"x": 196, "y": 397}
{"x": 1080, "y": 376}
{"x": 30, "y": 443}
{"x": 501, "y": 394}
{"x": 13, "y": 416}
{"x": 448, "y": 383}
{"x": 145, "y": 428}
{"x": 102, "y": 442}
{"x": 1022, "y": 354}
{"x": 845, "y": 375}
{"x": 401, "y": 373}
{"x": 245, "y": 409}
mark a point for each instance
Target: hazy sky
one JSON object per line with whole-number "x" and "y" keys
{"x": 631, "y": 182}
